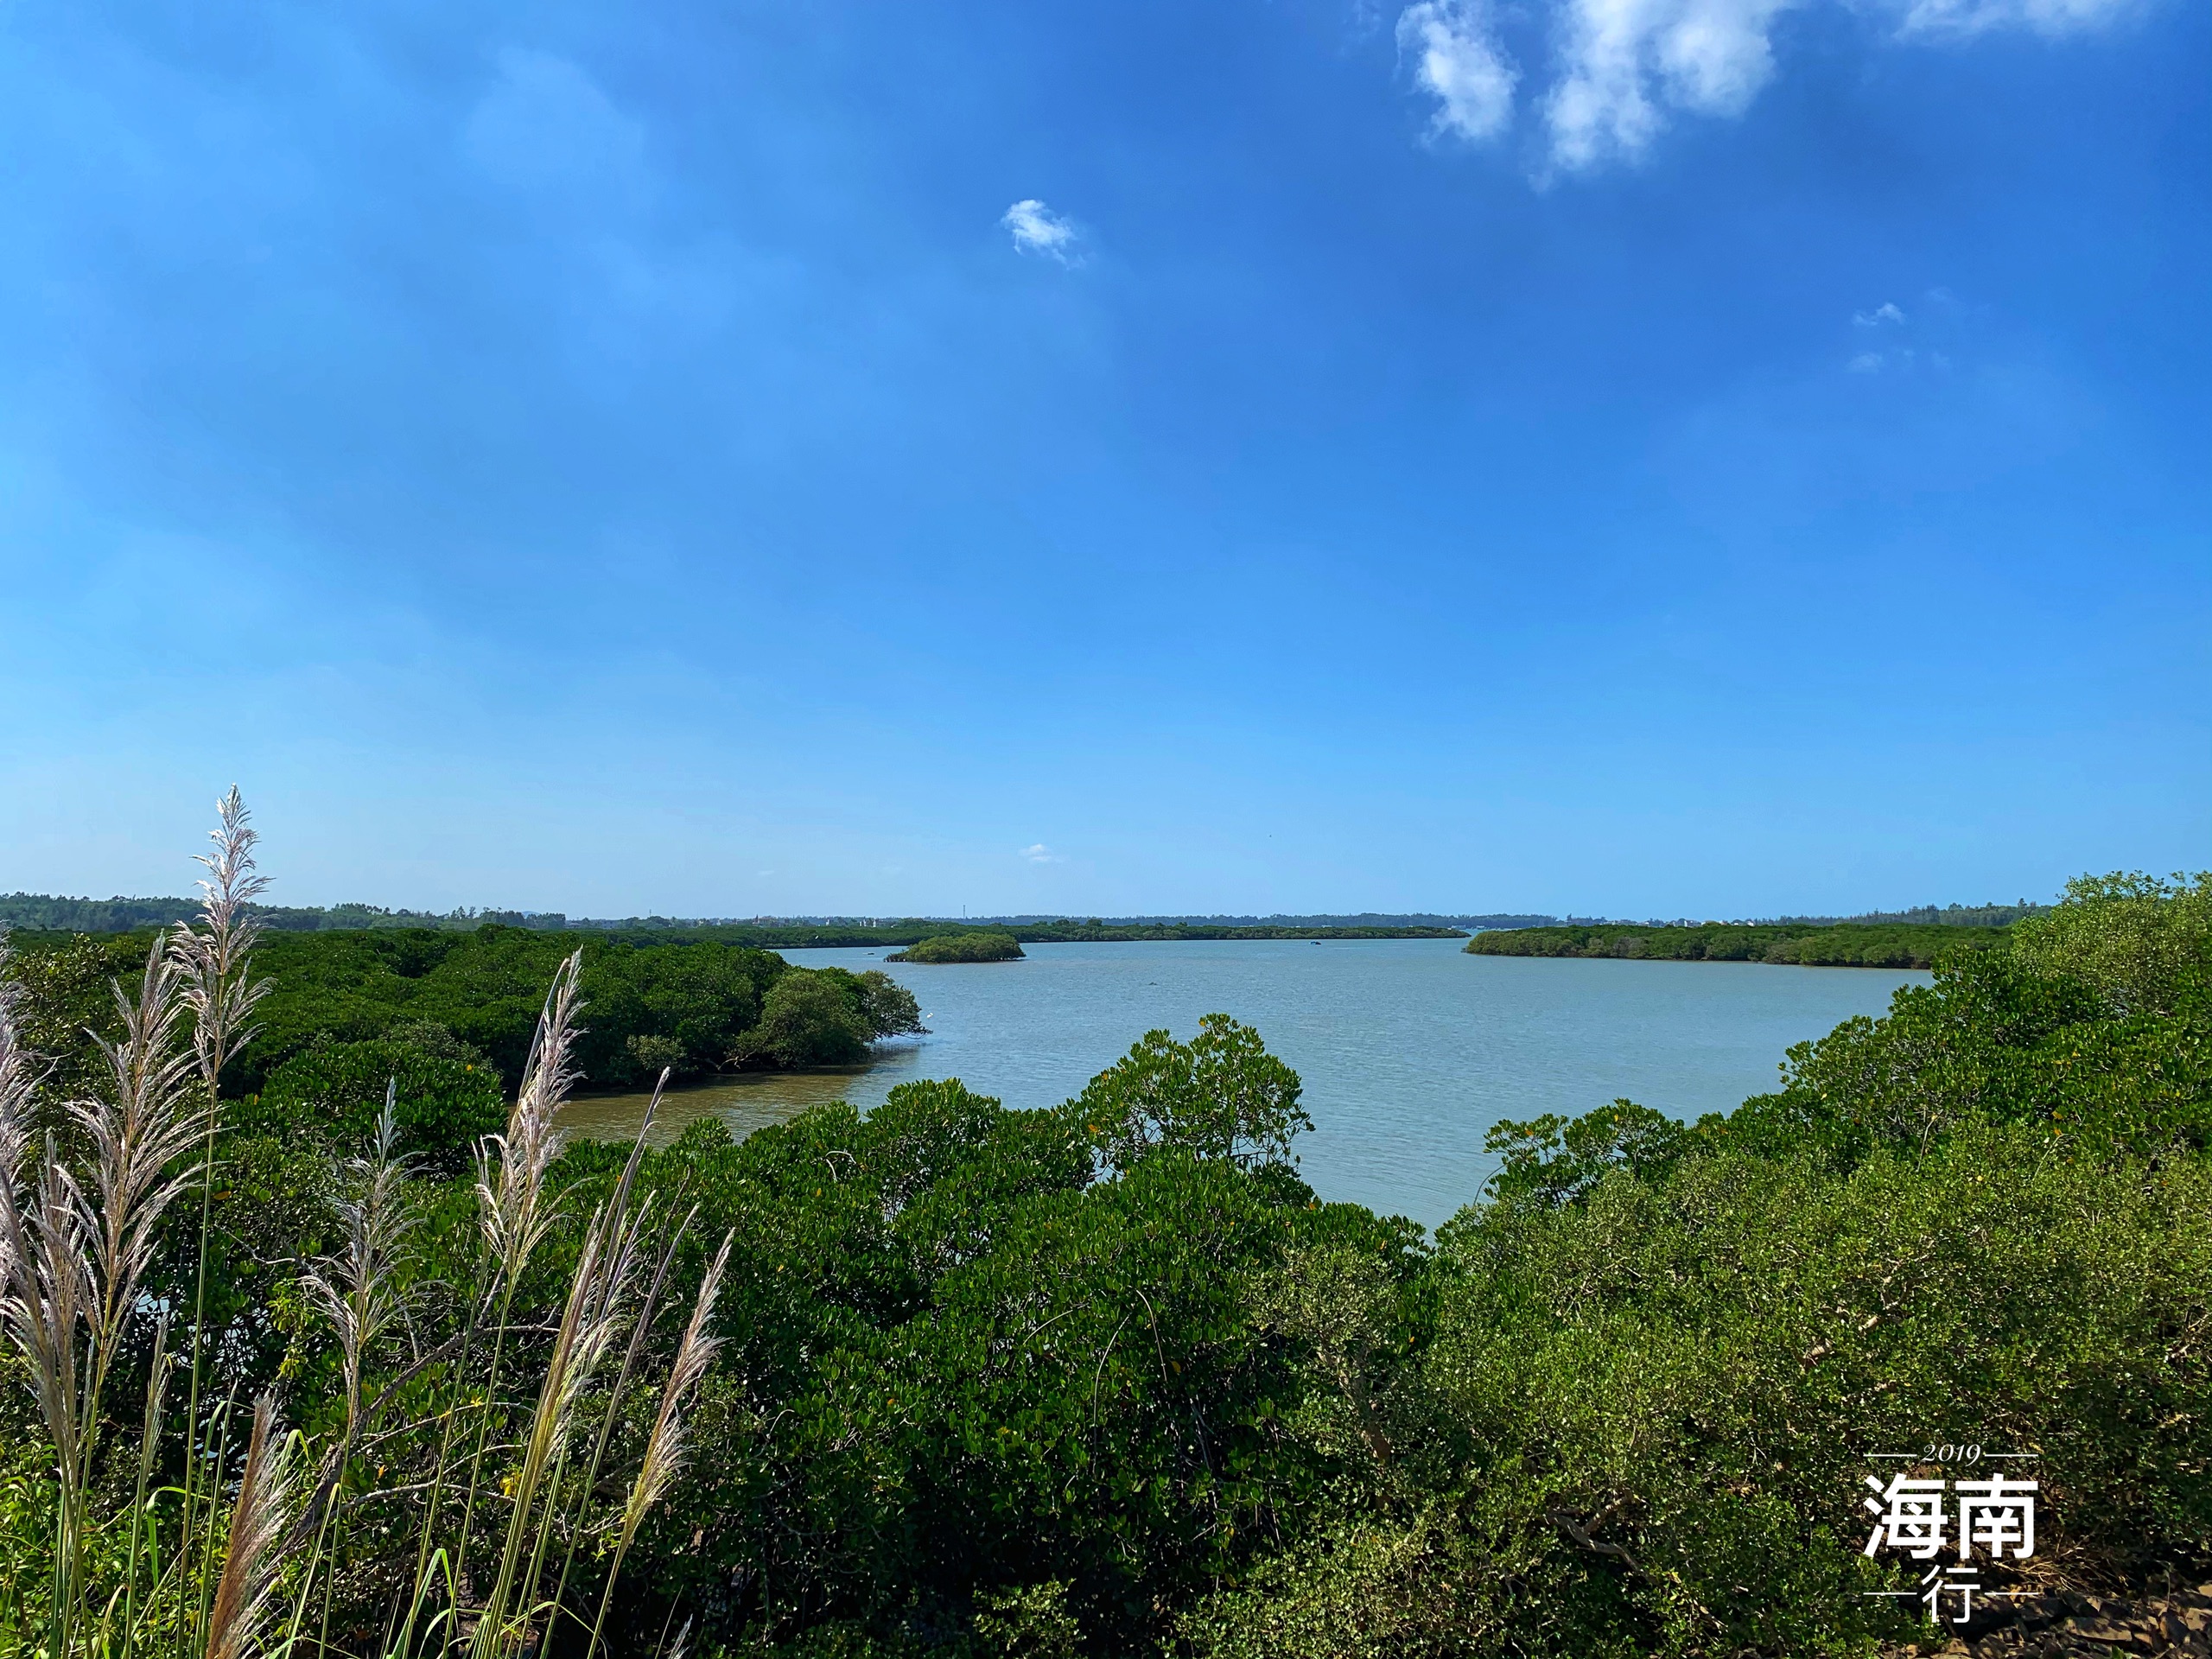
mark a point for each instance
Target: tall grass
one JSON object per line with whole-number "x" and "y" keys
{"x": 456, "y": 1404}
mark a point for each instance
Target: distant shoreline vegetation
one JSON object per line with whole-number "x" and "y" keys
{"x": 962, "y": 947}
{"x": 1835, "y": 944}
{"x": 32, "y": 914}
{"x": 35, "y": 913}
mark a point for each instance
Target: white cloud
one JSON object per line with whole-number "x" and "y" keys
{"x": 1626, "y": 60}
{"x": 1866, "y": 363}
{"x": 1460, "y": 63}
{"x": 1886, "y": 312}
{"x": 2044, "y": 17}
{"x": 1623, "y": 67}
{"x": 1038, "y": 229}
{"x": 1040, "y": 854}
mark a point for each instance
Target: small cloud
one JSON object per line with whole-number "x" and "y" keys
{"x": 1040, "y": 854}
{"x": 1038, "y": 229}
{"x": 1881, "y": 314}
{"x": 1459, "y": 62}
{"x": 1866, "y": 363}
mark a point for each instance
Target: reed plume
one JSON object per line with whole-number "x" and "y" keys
{"x": 139, "y": 1129}
{"x": 510, "y": 1198}
{"x": 250, "y": 1555}
{"x": 353, "y": 1287}
{"x": 48, "y": 1293}
{"x": 20, "y": 1075}
{"x": 511, "y": 1195}
{"x": 81, "y": 1205}
{"x": 216, "y": 954}
{"x": 215, "y": 958}
{"x": 71, "y": 1258}
{"x": 581, "y": 1341}
{"x": 664, "y": 1447}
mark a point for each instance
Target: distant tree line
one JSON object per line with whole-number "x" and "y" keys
{"x": 1829, "y": 945}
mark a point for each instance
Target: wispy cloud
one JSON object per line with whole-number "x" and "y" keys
{"x": 1040, "y": 854}
{"x": 2044, "y": 17}
{"x": 1866, "y": 363}
{"x": 1886, "y": 312}
{"x": 1038, "y": 229}
{"x": 1623, "y": 69}
{"x": 1458, "y": 61}
{"x": 545, "y": 125}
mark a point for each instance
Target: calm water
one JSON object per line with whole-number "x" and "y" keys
{"x": 1408, "y": 1050}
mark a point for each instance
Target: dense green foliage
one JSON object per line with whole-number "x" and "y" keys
{"x": 1621, "y": 1406}
{"x": 1108, "y": 1379}
{"x": 1943, "y": 915}
{"x": 446, "y": 1098}
{"x": 693, "y": 1007}
{"x": 963, "y": 947}
{"x": 1839, "y": 946}
{"x": 485, "y": 987}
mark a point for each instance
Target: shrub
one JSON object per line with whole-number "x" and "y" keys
{"x": 983, "y": 946}
{"x": 809, "y": 1018}
{"x": 332, "y": 1093}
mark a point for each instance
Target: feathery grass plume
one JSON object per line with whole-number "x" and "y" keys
{"x": 216, "y": 953}
{"x": 20, "y": 1074}
{"x": 579, "y": 1345}
{"x": 353, "y": 1287}
{"x": 144, "y": 1121}
{"x": 215, "y": 958}
{"x": 20, "y": 1071}
{"x": 250, "y": 1556}
{"x": 510, "y": 1201}
{"x": 623, "y": 1232}
{"x": 625, "y": 1229}
{"x": 664, "y": 1447}
{"x": 648, "y": 1308}
{"x": 48, "y": 1293}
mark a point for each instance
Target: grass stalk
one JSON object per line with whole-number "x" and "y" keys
{"x": 151, "y": 1431}
{"x": 217, "y": 957}
{"x": 664, "y": 1447}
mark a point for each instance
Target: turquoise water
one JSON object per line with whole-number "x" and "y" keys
{"x": 1409, "y": 1050}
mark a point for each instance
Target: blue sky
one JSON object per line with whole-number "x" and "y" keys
{"x": 1637, "y": 456}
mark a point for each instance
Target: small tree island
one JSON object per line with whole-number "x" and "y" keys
{"x": 963, "y": 947}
